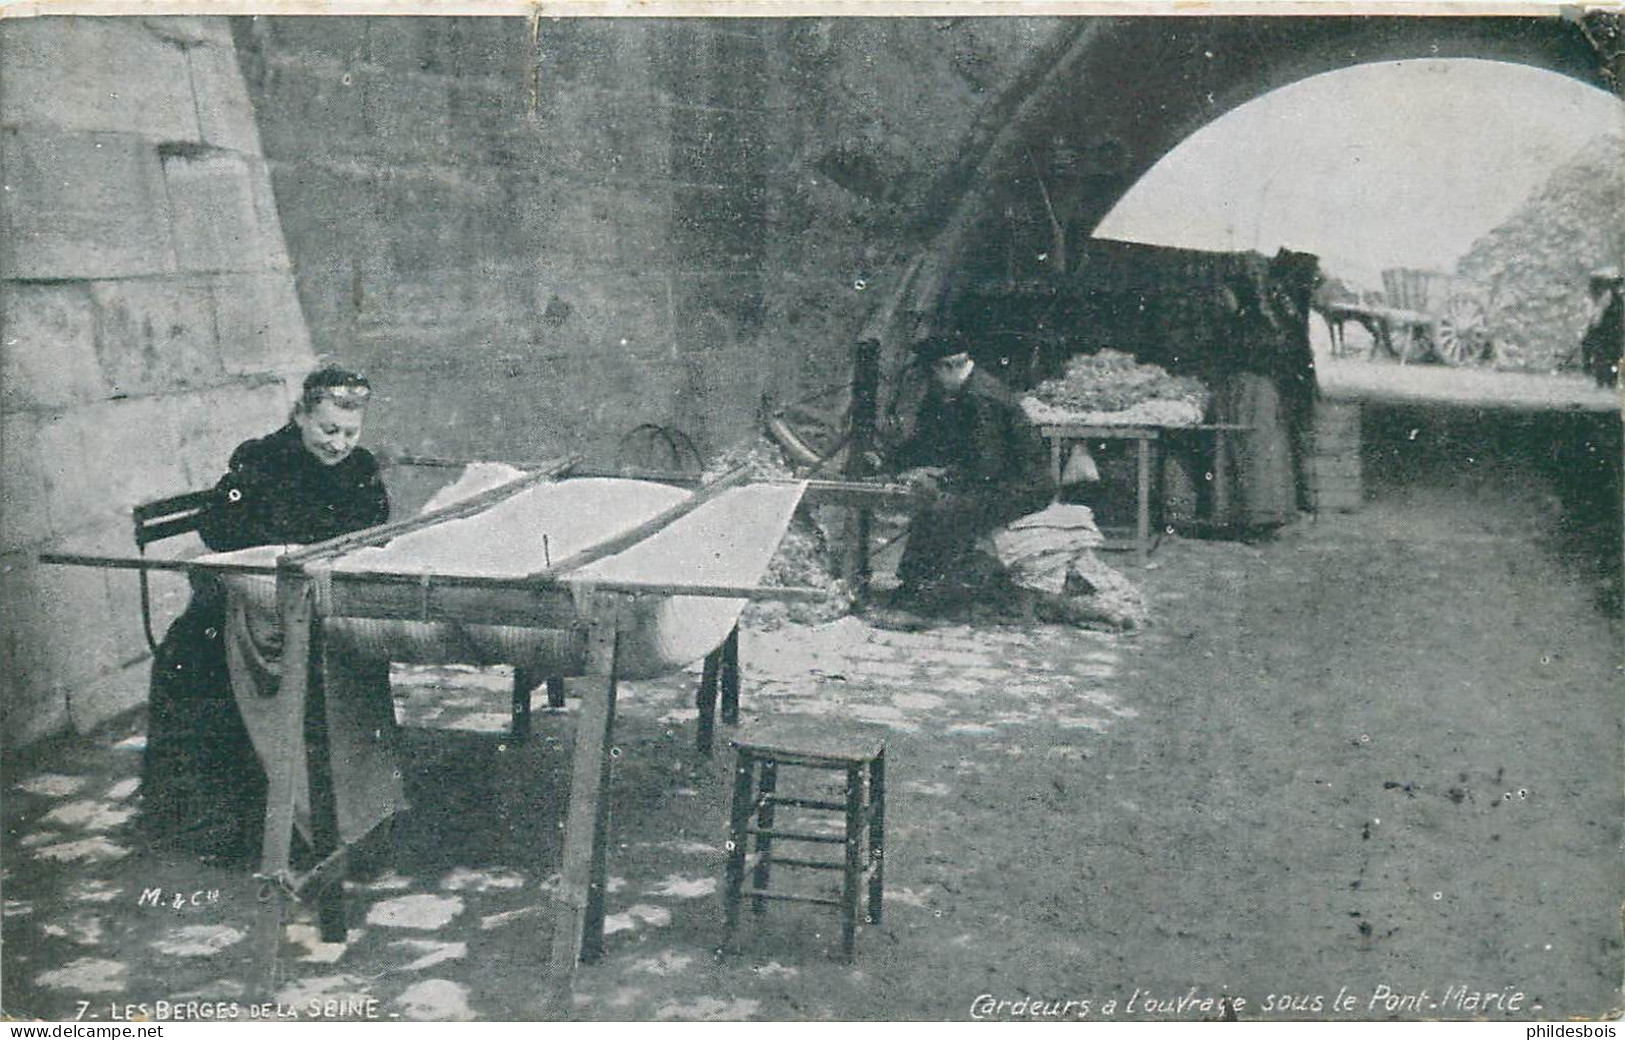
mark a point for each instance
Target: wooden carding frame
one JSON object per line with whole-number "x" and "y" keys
{"x": 551, "y": 599}
{"x": 310, "y": 590}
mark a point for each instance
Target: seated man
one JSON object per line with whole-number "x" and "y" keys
{"x": 975, "y": 462}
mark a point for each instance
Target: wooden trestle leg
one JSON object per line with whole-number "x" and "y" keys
{"x": 705, "y": 700}
{"x": 324, "y": 812}
{"x": 524, "y": 681}
{"x": 728, "y": 676}
{"x": 579, "y": 928}
{"x": 719, "y": 674}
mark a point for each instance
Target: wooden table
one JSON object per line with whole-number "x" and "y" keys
{"x": 592, "y": 593}
{"x": 1147, "y": 438}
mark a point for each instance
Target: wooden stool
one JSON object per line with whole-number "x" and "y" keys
{"x": 756, "y": 794}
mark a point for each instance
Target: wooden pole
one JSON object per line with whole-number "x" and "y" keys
{"x": 324, "y": 813}
{"x": 1142, "y": 517}
{"x": 144, "y": 563}
{"x": 578, "y": 931}
{"x": 465, "y": 507}
{"x": 860, "y": 443}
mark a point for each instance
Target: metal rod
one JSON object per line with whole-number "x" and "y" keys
{"x": 437, "y": 462}
{"x": 664, "y": 476}
{"x": 853, "y": 491}
{"x": 127, "y": 563}
{"x": 323, "y": 874}
{"x": 416, "y": 579}
{"x": 815, "y": 488}
{"x": 787, "y": 593}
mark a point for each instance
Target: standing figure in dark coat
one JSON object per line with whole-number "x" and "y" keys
{"x": 201, "y": 784}
{"x": 975, "y": 462}
{"x": 1604, "y": 340}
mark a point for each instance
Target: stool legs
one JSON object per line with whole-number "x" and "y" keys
{"x": 764, "y": 841}
{"x": 877, "y": 835}
{"x": 737, "y": 821}
{"x": 854, "y": 859}
{"x": 720, "y": 674}
{"x": 755, "y": 805}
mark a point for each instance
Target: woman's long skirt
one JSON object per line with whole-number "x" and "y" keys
{"x": 202, "y": 788}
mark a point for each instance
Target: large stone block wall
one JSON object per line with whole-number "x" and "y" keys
{"x": 536, "y": 241}
{"x": 148, "y": 323}
{"x": 513, "y": 234}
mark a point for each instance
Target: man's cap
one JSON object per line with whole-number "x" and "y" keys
{"x": 1606, "y": 276}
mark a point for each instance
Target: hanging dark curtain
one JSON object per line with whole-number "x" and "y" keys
{"x": 1237, "y": 321}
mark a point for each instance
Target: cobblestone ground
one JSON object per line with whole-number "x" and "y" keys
{"x": 463, "y": 883}
{"x": 1360, "y": 755}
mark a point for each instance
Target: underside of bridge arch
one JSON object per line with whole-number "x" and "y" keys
{"x": 1110, "y": 97}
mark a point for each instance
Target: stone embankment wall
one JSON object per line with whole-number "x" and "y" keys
{"x": 148, "y": 322}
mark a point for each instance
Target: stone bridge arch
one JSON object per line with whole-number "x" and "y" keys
{"x": 1108, "y": 98}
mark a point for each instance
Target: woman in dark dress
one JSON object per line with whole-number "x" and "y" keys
{"x": 202, "y": 786}
{"x": 1604, "y": 339}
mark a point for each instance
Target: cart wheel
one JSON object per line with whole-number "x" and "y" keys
{"x": 1461, "y": 331}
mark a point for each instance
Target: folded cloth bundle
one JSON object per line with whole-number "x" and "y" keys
{"x": 1051, "y": 552}
{"x": 1038, "y": 549}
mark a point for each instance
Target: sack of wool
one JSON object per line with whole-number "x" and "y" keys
{"x": 1111, "y": 380}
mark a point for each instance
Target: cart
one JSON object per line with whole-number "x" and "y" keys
{"x": 1400, "y": 334}
{"x": 1451, "y": 316}
{"x": 1426, "y": 316}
